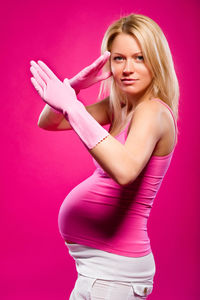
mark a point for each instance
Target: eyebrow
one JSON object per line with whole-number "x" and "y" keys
{"x": 123, "y": 54}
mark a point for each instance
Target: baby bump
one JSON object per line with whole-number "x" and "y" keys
{"x": 93, "y": 208}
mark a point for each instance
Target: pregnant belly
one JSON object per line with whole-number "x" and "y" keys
{"x": 86, "y": 209}
{"x": 99, "y": 209}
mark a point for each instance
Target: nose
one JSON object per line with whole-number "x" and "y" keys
{"x": 128, "y": 67}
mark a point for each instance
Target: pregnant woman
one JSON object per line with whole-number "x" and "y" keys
{"x": 103, "y": 220}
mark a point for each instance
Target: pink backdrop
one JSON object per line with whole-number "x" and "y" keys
{"x": 39, "y": 168}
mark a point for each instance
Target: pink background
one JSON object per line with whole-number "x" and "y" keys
{"x": 39, "y": 168}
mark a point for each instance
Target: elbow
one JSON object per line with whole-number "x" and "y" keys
{"x": 126, "y": 180}
{"x": 129, "y": 174}
{"x": 124, "y": 183}
{"x": 124, "y": 176}
{"x": 39, "y": 123}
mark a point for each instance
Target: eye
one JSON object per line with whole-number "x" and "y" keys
{"x": 118, "y": 58}
{"x": 140, "y": 57}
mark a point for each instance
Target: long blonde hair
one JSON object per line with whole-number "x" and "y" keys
{"x": 158, "y": 58}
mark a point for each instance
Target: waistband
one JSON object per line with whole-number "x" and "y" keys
{"x": 95, "y": 263}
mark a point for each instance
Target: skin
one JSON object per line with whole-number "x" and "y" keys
{"x": 150, "y": 130}
{"x": 149, "y": 125}
{"x": 128, "y": 62}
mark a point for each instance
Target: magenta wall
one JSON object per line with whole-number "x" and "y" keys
{"x": 39, "y": 168}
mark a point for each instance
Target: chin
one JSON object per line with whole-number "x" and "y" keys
{"x": 130, "y": 91}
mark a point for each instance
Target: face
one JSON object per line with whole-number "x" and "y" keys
{"x": 127, "y": 66}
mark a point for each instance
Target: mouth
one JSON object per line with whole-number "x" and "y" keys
{"x": 128, "y": 80}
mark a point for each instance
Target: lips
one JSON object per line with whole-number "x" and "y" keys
{"x": 128, "y": 80}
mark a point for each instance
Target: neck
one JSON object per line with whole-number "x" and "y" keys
{"x": 134, "y": 102}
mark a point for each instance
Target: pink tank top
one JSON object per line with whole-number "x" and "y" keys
{"x": 101, "y": 214}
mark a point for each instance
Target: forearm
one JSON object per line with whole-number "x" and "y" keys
{"x": 49, "y": 119}
{"x": 115, "y": 159}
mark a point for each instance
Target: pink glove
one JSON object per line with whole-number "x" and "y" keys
{"x": 62, "y": 97}
{"x": 89, "y": 75}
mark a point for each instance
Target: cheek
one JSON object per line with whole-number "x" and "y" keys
{"x": 149, "y": 76}
{"x": 147, "y": 73}
{"x": 112, "y": 68}
{"x": 115, "y": 69}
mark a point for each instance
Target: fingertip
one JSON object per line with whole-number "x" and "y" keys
{"x": 32, "y": 80}
{"x": 40, "y": 62}
{"x": 66, "y": 80}
{"x": 32, "y": 62}
{"x": 107, "y": 53}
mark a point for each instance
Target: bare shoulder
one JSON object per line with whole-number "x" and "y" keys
{"x": 151, "y": 106}
{"x": 147, "y": 134}
{"x": 157, "y": 105}
{"x": 154, "y": 112}
{"x": 148, "y": 113}
{"x": 162, "y": 108}
{"x": 146, "y": 128}
{"x": 156, "y": 116}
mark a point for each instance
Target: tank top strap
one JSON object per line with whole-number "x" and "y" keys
{"x": 166, "y": 105}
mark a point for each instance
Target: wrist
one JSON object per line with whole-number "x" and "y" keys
{"x": 87, "y": 128}
{"x": 74, "y": 85}
{"x": 74, "y": 110}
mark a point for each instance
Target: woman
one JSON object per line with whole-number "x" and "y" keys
{"x": 104, "y": 219}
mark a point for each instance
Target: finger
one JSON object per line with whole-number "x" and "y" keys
{"x": 106, "y": 55}
{"x": 105, "y": 58}
{"x": 37, "y": 77}
{"x": 37, "y": 87}
{"x": 66, "y": 82}
{"x": 42, "y": 74}
{"x": 46, "y": 69}
{"x": 104, "y": 76}
{"x": 101, "y": 61}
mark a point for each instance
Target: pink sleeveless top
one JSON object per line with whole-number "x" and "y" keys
{"x": 101, "y": 214}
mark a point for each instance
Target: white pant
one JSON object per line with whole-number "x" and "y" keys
{"x": 106, "y": 276}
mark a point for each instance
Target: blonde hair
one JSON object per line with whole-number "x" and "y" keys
{"x": 158, "y": 58}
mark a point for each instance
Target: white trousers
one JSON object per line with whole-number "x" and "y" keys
{"x": 106, "y": 276}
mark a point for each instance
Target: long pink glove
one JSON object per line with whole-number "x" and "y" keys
{"x": 61, "y": 96}
{"x": 89, "y": 75}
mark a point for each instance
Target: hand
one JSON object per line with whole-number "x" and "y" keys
{"x": 89, "y": 75}
{"x": 53, "y": 91}
{"x": 62, "y": 97}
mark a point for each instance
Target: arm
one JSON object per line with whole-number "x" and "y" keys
{"x": 125, "y": 162}
{"x": 122, "y": 162}
{"x": 49, "y": 119}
